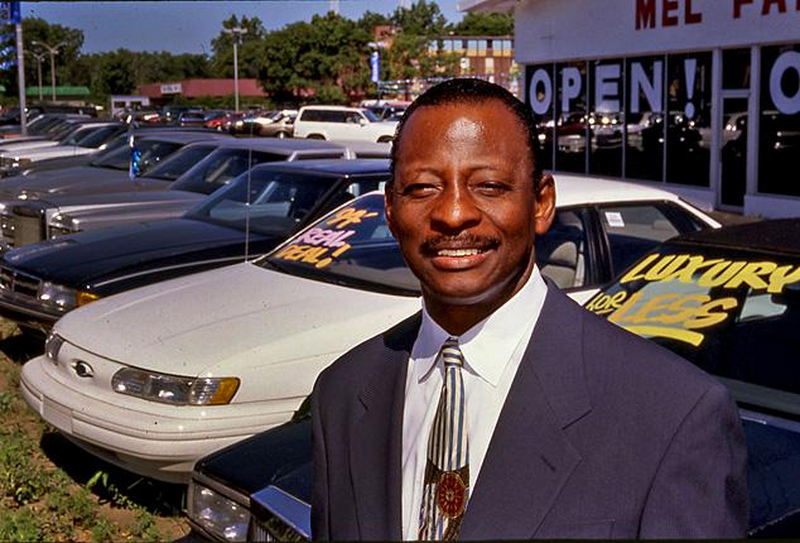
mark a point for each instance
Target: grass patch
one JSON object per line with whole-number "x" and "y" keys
{"x": 44, "y": 501}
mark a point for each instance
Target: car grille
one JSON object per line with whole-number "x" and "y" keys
{"x": 272, "y": 529}
{"x": 19, "y": 230}
{"x": 8, "y": 226}
{"x": 18, "y": 283}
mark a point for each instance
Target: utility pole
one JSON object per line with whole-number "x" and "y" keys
{"x": 23, "y": 119}
{"x": 39, "y": 58}
{"x": 53, "y": 51}
{"x": 237, "y": 33}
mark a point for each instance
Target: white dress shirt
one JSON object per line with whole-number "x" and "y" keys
{"x": 492, "y": 350}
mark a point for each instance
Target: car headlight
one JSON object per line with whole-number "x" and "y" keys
{"x": 27, "y": 195}
{"x": 56, "y": 295}
{"x": 60, "y": 225}
{"x": 61, "y": 297}
{"x": 174, "y": 389}
{"x": 52, "y": 346}
{"x": 218, "y": 514}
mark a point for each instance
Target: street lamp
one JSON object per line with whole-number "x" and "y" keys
{"x": 237, "y": 33}
{"x": 39, "y": 58}
{"x": 53, "y": 51}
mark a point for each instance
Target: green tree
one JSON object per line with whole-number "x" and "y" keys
{"x": 326, "y": 58}
{"x": 248, "y": 50}
{"x": 484, "y": 24}
{"x": 421, "y": 19}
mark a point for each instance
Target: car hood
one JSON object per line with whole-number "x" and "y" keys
{"x": 58, "y": 151}
{"x": 240, "y": 319}
{"x": 86, "y": 258}
{"x": 68, "y": 203}
{"x": 77, "y": 180}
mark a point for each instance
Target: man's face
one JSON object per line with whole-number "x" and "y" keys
{"x": 463, "y": 207}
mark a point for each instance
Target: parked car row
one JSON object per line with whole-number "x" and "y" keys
{"x": 191, "y": 307}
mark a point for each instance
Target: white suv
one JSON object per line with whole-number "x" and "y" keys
{"x": 342, "y": 123}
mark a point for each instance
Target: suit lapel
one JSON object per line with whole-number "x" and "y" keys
{"x": 529, "y": 457}
{"x": 377, "y": 436}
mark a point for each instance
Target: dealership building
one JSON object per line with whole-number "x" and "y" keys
{"x": 701, "y": 97}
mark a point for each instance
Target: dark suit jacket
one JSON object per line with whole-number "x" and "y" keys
{"x": 603, "y": 434}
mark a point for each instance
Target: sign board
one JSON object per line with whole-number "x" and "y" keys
{"x": 375, "y": 66}
{"x": 10, "y": 13}
{"x": 171, "y": 88}
{"x": 558, "y": 30}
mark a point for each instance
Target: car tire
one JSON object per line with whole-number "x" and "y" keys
{"x": 315, "y": 137}
{"x": 281, "y": 135}
{"x": 385, "y": 139}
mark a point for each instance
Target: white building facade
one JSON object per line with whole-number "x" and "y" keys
{"x": 701, "y": 97}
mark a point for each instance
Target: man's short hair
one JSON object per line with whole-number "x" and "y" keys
{"x": 475, "y": 91}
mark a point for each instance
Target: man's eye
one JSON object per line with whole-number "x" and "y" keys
{"x": 419, "y": 190}
{"x": 491, "y": 188}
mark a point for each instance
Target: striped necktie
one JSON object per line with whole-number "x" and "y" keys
{"x": 446, "y": 489}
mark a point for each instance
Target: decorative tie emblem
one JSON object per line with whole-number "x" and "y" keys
{"x": 446, "y": 491}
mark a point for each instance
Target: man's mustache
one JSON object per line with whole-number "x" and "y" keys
{"x": 465, "y": 241}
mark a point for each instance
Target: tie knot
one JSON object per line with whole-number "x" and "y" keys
{"x": 451, "y": 353}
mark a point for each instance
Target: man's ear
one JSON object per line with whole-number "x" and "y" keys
{"x": 388, "y": 199}
{"x": 545, "y": 204}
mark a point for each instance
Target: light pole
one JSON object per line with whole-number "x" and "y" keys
{"x": 39, "y": 58}
{"x": 237, "y": 33}
{"x": 53, "y": 51}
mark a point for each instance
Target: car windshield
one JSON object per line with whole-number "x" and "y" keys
{"x": 98, "y": 136}
{"x": 269, "y": 203}
{"x": 152, "y": 152}
{"x": 180, "y": 162}
{"x": 733, "y": 313}
{"x": 193, "y": 116}
{"x": 220, "y": 167}
{"x": 351, "y": 246}
{"x": 371, "y": 116}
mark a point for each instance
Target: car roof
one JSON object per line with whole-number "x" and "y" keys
{"x": 183, "y": 137}
{"x": 360, "y": 166}
{"x": 288, "y": 145}
{"x": 773, "y": 236}
{"x": 580, "y": 189}
{"x": 339, "y": 108}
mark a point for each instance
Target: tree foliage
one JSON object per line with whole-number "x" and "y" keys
{"x": 484, "y": 24}
{"x": 326, "y": 59}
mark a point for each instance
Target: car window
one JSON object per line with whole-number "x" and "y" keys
{"x": 351, "y": 246}
{"x": 180, "y": 161}
{"x": 270, "y": 203}
{"x": 312, "y": 115}
{"x": 632, "y": 230}
{"x": 732, "y": 313}
{"x": 152, "y": 151}
{"x": 371, "y": 116}
{"x": 562, "y": 252}
{"x": 98, "y": 137}
{"x": 220, "y": 167}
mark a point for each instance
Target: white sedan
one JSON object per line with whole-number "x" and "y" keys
{"x": 154, "y": 378}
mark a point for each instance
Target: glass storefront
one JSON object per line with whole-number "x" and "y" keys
{"x": 650, "y": 118}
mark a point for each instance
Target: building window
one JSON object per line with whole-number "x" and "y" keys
{"x": 689, "y": 119}
{"x": 736, "y": 69}
{"x": 539, "y": 85}
{"x": 571, "y": 118}
{"x": 488, "y": 64}
{"x": 644, "y": 119}
{"x": 605, "y": 118}
{"x": 779, "y": 130}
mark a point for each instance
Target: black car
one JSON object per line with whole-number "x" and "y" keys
{"x": 728, "y": 300}
{"x": 40, "y": 282}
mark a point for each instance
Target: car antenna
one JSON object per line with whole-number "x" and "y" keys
{"x": 247, "y": 203}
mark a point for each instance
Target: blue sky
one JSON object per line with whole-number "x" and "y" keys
{"x": 188, "y": 26}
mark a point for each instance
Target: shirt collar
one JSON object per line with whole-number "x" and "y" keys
{"x": 489, "y": 345}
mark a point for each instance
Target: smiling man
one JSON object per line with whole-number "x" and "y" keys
{"x": 502, "y": 409}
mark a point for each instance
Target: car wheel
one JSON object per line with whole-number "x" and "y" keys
{"x": 315, "y": 137}
{"x": 385, "y": 139}
{"x": 281, "y": 135}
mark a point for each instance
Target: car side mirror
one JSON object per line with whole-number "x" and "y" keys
{"x": 362, "y": 121}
